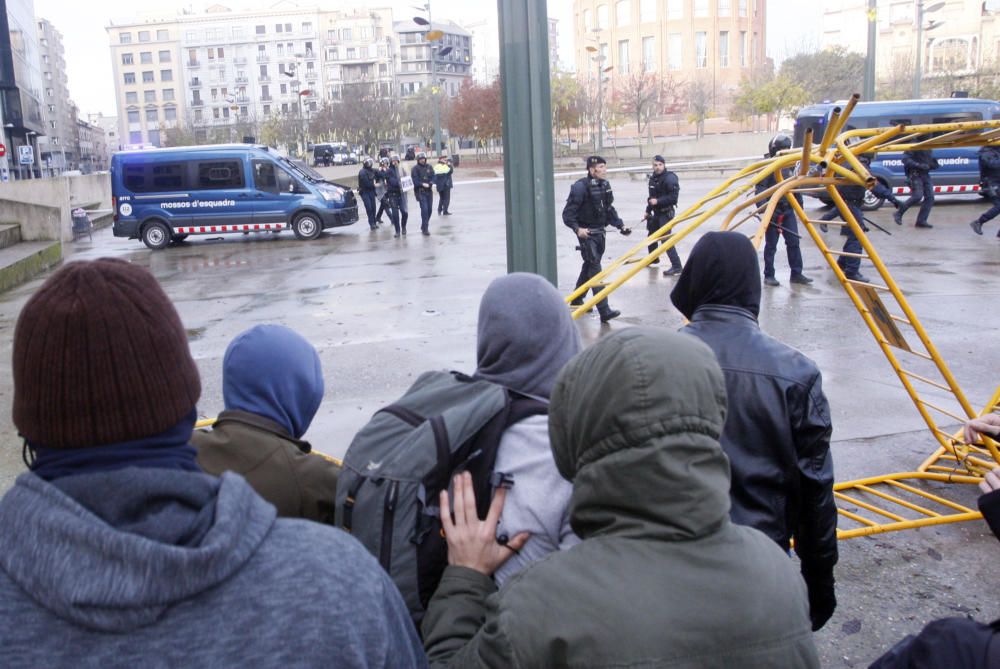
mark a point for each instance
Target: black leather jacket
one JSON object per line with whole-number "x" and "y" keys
{"x": 665, "y": 187}
{"x": 777, "y": 435}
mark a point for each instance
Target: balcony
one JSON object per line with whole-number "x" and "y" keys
{"x": 264, "y": 78}
{"x": 311, "y": 55}
{"x": 263, "y": 58}
{"x": 240, "y": 60}
{"x": 194, "y": 63}
{"x": 266, "y": 98}
{"x": 242, "y": 80}
{"x": 194, "y": 83}
{"x": 198, "y": 103}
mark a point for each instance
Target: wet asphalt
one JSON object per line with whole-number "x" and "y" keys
{"x": 381, "y": 310}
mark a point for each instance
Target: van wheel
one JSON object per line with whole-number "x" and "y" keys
{"x": 306, "y": 226}
{"x": 156, "y": 236}
{"x": 871, "y": 202}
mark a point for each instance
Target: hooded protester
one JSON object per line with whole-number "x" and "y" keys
{"x": 526, "y": 336}
{"x": 661, "y": 577}
{"x": 777, "y": 434}
{"x": 272, "y": 385}
{"x": 117, "y": 551}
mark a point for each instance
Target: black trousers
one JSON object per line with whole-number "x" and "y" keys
{"x": 592, "y": 250}
{"x": 654, "y": 223}
{"x": 785, "y": 225}
{"x": 992, "y": 192}
{"x": 368, "y": 197}
{"x": 425, "y": 198}
{"x": 922, "y": 191}
{"x": 444, "y": 199}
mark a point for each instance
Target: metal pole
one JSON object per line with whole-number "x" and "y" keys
{"x": 600, "y": 104}
{"x": 437, "y": 100}
{"x": 527, "y": 137}
{"x": 920, "y": 44}
{"x": 869, "y": 85}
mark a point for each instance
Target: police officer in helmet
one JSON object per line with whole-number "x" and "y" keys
{"x": 367, "y": 179}
{"x": 423, "y": 179}
{"x": 783, "y": 223}
{"x": 664, "y": 187}
{"x": 589, "y": 208}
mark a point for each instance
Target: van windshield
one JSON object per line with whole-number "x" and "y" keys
{"x": 302, "y": 170}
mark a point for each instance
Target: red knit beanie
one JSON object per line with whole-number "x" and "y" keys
{"x": 100, "y": 357}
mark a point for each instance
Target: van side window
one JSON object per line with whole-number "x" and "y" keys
{"x": 269, "y": 177}
{"x": 154, "y": 178}
{"x": 219, "y": 174}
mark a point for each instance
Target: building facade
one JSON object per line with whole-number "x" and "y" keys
{"x": 93, "y": 148}
{"x": 715, "y": 43}
{"x": 22, "y": 88}
{"x": 56, "y": 151}
{"x": 413, "y": 71}
{"x": 109, "y": 124}
{"x": 958, "y": 39}
{"x": 359, "y": 52}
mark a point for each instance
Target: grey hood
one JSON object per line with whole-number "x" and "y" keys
{"x": 634, "y": 423}
{"x": 112, "y": 551}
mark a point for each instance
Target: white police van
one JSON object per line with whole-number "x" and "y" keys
{"x": 165, "y": 195}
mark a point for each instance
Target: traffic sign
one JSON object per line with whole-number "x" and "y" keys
{"x": 3, "y": 150}
{"x": 25, "y": 154}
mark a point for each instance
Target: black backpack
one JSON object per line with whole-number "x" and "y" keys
{"x": 397, "y": 465}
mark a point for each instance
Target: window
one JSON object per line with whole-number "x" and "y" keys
{"x": 743, "y": 48}
{"x": 281, "y": 68}
{"x": 700, "y": 49}
{"x": 623, "y": 13}
{"x": 307, "y": 27}
{"x": 215, "y": 113}
{"x": 700, "y": 8}
{"x": 149, "y": 96}
{"x": 147, "y": 77}
{"x": 345, "y": 34}
{"x": 221, "y": 54}
{"x": 265, "y": 92}
{"x": 623, "y": 56}
{"x": 135, "y": 137}
{"x": 352, "y": 53}
{"x": 130, "y": 77}
{"x": 675, "y": 9}
{"x": 675, "y": 51}
{"x": 211, "y": 54}
{"x": 259, "y": 30}
{"x": 588, "y": 20}
{"x": 168, "y": 94}
{"x": 197, "y": 115}
{"x": 146, "y": 57}
{"x": 143, "y": 35}
{"x": 288, "y": 27}
{"x": 278, "y": 27}
{"x": 724, "y": 7}
{"x": 602, "y": 17}
{"x": 166, "y": 75}
{"x": 648, "y": 54}
{"x": 152, "y": 116}
{"x": 154, "y": 137}
{"x": 724, "y": 48}
{"x": 154, "y": 178}
{"x": 133, "y": 116}
{"x": 284, "y": 89}
{"x": 281, "y": 49}
{"x": 267, "y": 109}
{"x": 284, "y": 107}
{"x": 131, "y": 98}
{"x": 647, "y": 11}
{"x": 162, "y": 35}
{"x": 164, "y": 56}
{"x": 124, "y": 38}
{"x": 127, "y": 59}
{"x": 263, "y": 71}
{"x": 225, "y": 112}
{"x": 270, "y": 178}
{"x": 742, "y": 4}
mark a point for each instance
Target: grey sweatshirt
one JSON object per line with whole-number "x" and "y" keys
{"x": 153, "y": 567}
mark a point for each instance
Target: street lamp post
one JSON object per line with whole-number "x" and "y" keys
{"x": 921, "y": 11}
{"x": 299, "y": 92}
{"x": 431, "y": 35}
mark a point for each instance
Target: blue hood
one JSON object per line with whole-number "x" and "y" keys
{"x": 272, "y": 371}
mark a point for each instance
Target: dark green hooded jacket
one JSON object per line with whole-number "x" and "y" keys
{"x": 662, "y": 577}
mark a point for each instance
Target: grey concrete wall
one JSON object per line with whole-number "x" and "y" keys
{"x": 64, "y": 193}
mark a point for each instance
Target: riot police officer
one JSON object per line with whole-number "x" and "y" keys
{"x": 854, "y": 197}
{"x": 423, "y": 179}
{"x": 664, "y": 187}
{"x": 589, "y": 208}
{"x": 989, "y": 180}
{"x": 783, "y": 223}
{"x": 367, "y": 178}
{"x": 918, "y": 166}
{"x": 392, "y": 200}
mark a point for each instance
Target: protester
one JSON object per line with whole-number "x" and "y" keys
{"x": 272, "y": 385}
{"x": 661, "y": 577}
{"x": 526, "y": 336}
{"x": 117, "y": 551}
{"x": 777, "y": 433}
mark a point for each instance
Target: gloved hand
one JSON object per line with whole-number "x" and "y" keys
{"x": 625, "y": 231}
{"x": 822, "y": 598}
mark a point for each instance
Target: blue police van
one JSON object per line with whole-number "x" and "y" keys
{"x": 165, "y": 195}
{"x": 959, "y": 171}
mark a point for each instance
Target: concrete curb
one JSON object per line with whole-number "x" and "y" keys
{"x": 25, "y": 268}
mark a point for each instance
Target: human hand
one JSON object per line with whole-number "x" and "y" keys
{"x": 652, "y": 201}
{"x": 988, "y": 424}
{"x": 991, "y": 481}
{"x": 625, "y": 231}
{"x": 582, "y": 233}
{"x": 472, "y": 543}
{"x": 822, "y": 597}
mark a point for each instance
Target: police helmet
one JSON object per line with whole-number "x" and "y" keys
{"x": 421, "y": 154}
{"x": 384, "y": 160}
{"x": 368, "y": 162}
{"x": 394, "y": 157}
{"x": 779, "y": 142}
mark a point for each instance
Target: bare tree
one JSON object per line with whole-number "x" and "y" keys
{"x": 698, "y": 93}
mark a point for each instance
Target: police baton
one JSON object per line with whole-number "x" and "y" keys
{"x": 876, "y": 225}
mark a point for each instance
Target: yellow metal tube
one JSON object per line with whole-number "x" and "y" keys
{"x": 897, "y": 500}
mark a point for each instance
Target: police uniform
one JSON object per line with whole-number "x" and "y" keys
{"x": 423, "y": 179}
{"x": 664, "y": 187}
{"x": 393, "y": 198}
{"x": 367, "y": 178}
{"x": 989, "y": 180}
{"x": 783, "y": 223}
{"x": 590, "y": 206}
{"x": 918, "y": 166}
{"x": 854, "y": 197}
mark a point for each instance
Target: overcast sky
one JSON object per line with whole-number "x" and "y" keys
{"x": 82, "y": 24}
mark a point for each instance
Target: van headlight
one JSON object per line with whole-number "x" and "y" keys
{"x": 333, "y": 195}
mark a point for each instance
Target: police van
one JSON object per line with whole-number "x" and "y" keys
{"x": 959, "y": 171}
{"x": 165, "y": 195}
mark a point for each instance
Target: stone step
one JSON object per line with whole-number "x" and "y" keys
{"x": 10, "y": 234}
{"x": 21, "y": 262}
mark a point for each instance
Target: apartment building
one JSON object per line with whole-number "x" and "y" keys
{"x": 713, "y": 42}
{"x": 109, "y": 124}
{"x": 958, "y": 38}
{"x": 93, "y": 148}
{"x": 56, "y": 151}
{"x": 359, "y": 52}
{"x": 414, "y": 66}
{"x": 146, "y": 58}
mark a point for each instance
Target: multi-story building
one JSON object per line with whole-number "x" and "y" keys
{"x": 56, "y": 153}
{"x": 109, "y": 124}
{"x": 21, "y": 87}
{"x": 359, "y": 52}
{"x": 553, "y": 44}
{"x": 146, "y": 59}
{"x": 485, "y": 49}
{"x": 713, "y": 43}
{"x": 93, "y": 147}
{"x": 414, "y": 69}
{"x": 958, "y": 38}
